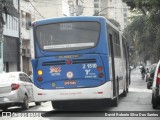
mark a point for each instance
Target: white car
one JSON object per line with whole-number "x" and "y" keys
{"x": 16, "y": 89}
{"x": 156, "y": 88}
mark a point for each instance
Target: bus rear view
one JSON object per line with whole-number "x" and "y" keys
{"x": 70, "y": 59}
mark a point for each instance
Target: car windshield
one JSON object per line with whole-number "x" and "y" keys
{"x": 6, "y": 77}
{"x": 152, "y": 68}
{"x": 68, "y": 36}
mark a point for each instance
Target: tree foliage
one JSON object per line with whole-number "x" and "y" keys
{"x": 143, "y": 5}
{"x": 144, "y": 30}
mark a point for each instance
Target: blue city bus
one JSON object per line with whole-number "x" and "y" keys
{"x": 78, "y": 58}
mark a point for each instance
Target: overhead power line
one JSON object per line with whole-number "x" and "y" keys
{"x": 101, "y": 11}
{"x": 36, "y": 9}
{"x": 36, "y": 15}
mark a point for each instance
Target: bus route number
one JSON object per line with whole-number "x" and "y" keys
{"x": 89, "y": 66}
{"x": 65, "y": 26}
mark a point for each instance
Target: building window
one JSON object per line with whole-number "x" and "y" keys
{"x": 23, "y": 18}
{"x": 17, "y": 25}
{"x": 125, "y": 20}
{"x": 28, "y": 20}
{"x": 96, "y": 12}
{"x": 7, "y": 22}
{"x": 12, "y": 23}
{"x": 96, "y": 0}
{"x": 14, "y": 20}
{"x": 125, "y": 14}
{"x": 96, "y": 5}
{"x": 125, "y": 9}
{"x": 117, "y": 51}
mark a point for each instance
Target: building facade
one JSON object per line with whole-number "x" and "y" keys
{"x": 114, "y": 10}
{"x": 118, "y": 11}
{"x": 35, "y": 10}
{"x": 11, "y": 44}
{"x": 27, "y": 15}
{"x": 52, "y": 8}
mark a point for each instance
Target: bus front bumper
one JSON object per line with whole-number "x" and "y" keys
{"x": 104, "y": 91}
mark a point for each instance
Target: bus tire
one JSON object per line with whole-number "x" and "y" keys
{"x": 115, "y": 100}
{"x": 124, "y": 94}
{"x": 125, "y": 91}
{"x": 56, "y": 105}
{"x": 4, "y": 108}
{"x": 38, "y": 103}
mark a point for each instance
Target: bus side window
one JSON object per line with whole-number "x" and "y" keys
{"x": 109, "y": 43}
{"x": 111, "y": 49}
{"x": 110, "y": 38}
{"x": 117, "y": 49}
{"x": 124, "y": 48}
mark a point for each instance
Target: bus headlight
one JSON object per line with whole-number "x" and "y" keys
{"x": 99, "y": 68}
{"x": 40, "y": 72}
{"x": 40, "y": 79}
{"x": 100, "y": 75}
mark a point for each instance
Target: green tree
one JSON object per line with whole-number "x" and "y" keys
{"x": 143, "y": 32}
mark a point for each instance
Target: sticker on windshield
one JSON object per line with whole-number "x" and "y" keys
{"x": 55, "y": 71}
{"x": 69, "y": 45}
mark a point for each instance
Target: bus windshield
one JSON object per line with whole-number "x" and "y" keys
{"x": 68, "y": 36}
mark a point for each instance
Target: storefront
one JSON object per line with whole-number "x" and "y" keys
{"x": 11, "y": 54}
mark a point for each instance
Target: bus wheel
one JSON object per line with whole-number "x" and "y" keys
{"x": 127, "y": 90}
{"x": 115, "y": 100}
{"x": 4, "y": 108}
{"x": 124, "y": 94}
{"x": 38, "y": 103}
{"x": 56, "y": 105}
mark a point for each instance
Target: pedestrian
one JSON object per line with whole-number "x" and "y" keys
{"x": 143, "y": 72}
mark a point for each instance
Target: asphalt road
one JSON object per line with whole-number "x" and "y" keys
{"x": 136, "y": 104}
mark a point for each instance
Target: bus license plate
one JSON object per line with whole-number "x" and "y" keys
{"x": 70, "y": 82}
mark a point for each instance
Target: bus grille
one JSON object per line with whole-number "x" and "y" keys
{"x": 78, "y": 61}
{"x": 62, "y": 62}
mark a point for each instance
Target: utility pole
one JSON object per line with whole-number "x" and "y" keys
{"x": 19, "y": 40}
{"x": 1, "y": 58}
{"x": 1, "y": 37}
{"x": 76, "y": 2}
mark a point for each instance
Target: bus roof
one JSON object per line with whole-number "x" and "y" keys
{"x": 70, "y": 18}
{"x": 74, "y": 18}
